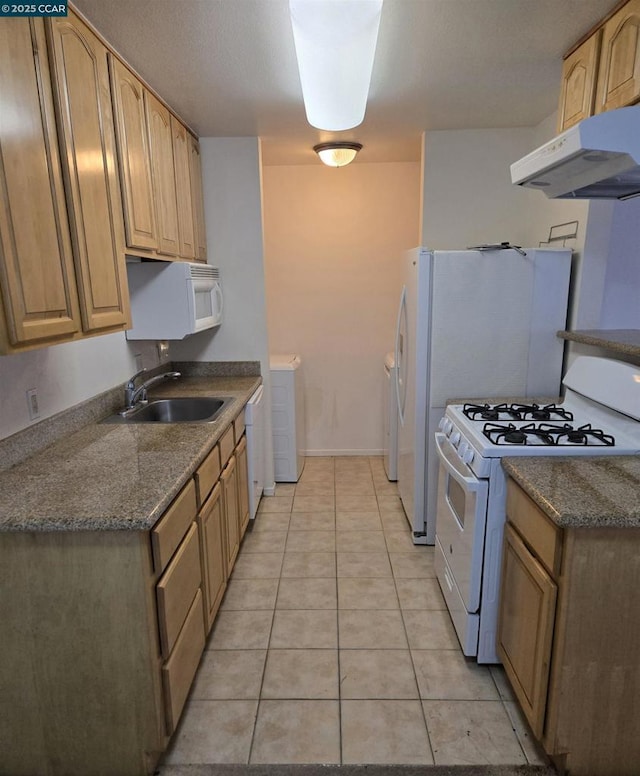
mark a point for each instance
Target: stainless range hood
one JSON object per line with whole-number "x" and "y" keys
{"x": 599, "y": 158}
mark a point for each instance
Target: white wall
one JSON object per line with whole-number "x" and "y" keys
{"x": 468, "y": 198}
{"x": 231, "y": 172}
{"x": 333, "y": 243}
{"x": 621, "y": 302}
{"x": 64, "y": 375}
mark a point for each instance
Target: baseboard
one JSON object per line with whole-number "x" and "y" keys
{"x": 334, "y": 453}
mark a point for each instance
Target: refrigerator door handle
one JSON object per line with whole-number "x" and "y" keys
{"x": 399, "y": 356}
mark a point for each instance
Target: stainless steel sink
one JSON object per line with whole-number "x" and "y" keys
{"x": 188, "y": 409}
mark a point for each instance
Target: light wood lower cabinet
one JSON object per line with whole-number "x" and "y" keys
{"x": 101, "y": 632}
{"x": 212, "y": 547}
{"x": 568, "y": 637}
{"x": 229, "y": 482}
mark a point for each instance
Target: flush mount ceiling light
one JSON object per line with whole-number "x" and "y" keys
{"x": 335, "y": 44}
{"x": 337, "y": 154}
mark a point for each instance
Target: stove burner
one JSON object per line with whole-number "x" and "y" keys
{"x": 546, "y": 434}
{"x": 510, "y": 435}
{"x": 585, "y": 435}
{"x": 516, "y": 411}
{"x": 489, "y": 412}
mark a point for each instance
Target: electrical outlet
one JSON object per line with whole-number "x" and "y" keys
{"x": 139, "y": 362}
{"x": 32, "y": 404}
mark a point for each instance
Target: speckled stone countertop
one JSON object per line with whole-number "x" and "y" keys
{"x": 107, "y": 477}
{"x": 625, "y": 342}
{"x": 593, "y": 491}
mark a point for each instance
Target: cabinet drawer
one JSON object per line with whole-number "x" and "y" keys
{"x": 542, "y": 536}
{"x": 179, "y": 670}
{"x": 208, "y": 474}
{"x": 226, "y": 445}
{"x": 238, "y": 426}
{"x": 167, "y": 534}
{"x": 176, "y": 589}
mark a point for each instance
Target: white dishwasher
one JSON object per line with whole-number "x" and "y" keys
{"x": 254, "y": 425}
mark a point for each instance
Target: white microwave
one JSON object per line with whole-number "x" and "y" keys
{"x": 171, "y": 300}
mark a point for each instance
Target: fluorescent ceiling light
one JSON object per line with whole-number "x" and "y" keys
{"x": 335, "y": 44}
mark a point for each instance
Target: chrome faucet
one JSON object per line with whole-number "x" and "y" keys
{"x": 134, "y": 396}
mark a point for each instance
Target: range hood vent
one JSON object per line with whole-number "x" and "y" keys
{"x": 599, "y": 158}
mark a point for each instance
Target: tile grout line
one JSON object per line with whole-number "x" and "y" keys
{"x": 406, "y": 634}
{"x": 266, "y": 657}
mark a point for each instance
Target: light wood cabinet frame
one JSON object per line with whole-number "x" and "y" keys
{"x": 93, "y": 195}
{"x": 134, "y": 157}
{"x": 39, "y": 295}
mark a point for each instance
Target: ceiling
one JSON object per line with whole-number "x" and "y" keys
{"x": 228, "y": 67}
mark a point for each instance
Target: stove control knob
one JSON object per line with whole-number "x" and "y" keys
{"x": 468, "y": 455}
{"x": 443, "y": 423}
{"x": 448, "y": 425}
{"x": 462, "y": 449}
{"x": 455, "y": 438}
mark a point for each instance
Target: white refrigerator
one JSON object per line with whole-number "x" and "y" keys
{"x": 471, "y": 324}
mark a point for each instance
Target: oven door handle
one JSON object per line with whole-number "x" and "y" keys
{"x": 456, "y": 468}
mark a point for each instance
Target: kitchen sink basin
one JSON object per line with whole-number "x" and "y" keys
{"x": 188, "y": 409}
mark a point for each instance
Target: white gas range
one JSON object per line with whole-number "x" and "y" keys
{"x": 600, "y": 415}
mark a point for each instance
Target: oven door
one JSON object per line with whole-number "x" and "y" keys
{"x": 460, "y": 522}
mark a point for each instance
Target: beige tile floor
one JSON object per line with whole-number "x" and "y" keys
{"x": 333, "y": 643}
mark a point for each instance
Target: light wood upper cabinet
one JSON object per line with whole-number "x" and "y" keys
{"x": 578, "y": 90}
{"x": 619, "y": 74}
{"x": 182, "y": 162}
{"x": 38, "y": 285}
{"x": 197, "y": 200}
{"x": 164, "y": 185}
{"x": 134, "y": 157}
{"x": 93, "y": 195}
{"x": 603, "y": 72}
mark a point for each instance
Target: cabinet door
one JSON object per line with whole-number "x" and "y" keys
{"x": 93, "y": 194}
{"x": 212, "y": 539}
{"x": 578, "y": 89}
{"x": 197, "y": 200}
{"x": 229, "y": 480}
{"x": 243, "y": 485}
{"x": 134, "y": 157}
{"x": 525, "y": 628}
{"x": 181, "y": 156}
{"x": 164, "y": 181}
{"x": 36, "y": 263}
{"x": 619, "y": 74}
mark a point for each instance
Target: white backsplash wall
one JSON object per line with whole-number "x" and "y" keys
{"x": 621, "y": 302}
{"x": 231, "y": 172}
{"x": 64, "y": 375}
{"x": 334, "y": 240}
